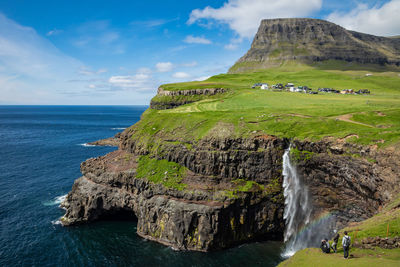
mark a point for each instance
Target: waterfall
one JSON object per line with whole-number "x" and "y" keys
{"x": 300, "y": 231}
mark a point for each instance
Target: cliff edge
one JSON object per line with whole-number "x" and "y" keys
{"x": 312, "y": 40}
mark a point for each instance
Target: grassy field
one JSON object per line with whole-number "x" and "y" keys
{"x": 359, "y": 257}
{"x": 373, "y": 119}
{"x": 373, "y": 227}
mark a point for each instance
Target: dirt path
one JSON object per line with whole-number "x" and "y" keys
{"x": 347, "y": 118}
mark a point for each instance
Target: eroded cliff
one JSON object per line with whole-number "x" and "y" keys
{"x": 232, "y": 189}
{"x": 313, "y": 40}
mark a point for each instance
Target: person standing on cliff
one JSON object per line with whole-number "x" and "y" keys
{"x": 346, "y": 245}
{"x": 335, "y": 242}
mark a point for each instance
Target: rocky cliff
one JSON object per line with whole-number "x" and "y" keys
{"x": 171, "y": 99}
{"x": 313, "y": 40}
{"x": 233, "y": 188}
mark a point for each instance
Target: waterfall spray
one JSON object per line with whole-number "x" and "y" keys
{"x": 300, "y": 231}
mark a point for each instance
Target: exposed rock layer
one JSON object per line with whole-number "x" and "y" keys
{"x": 195, "y": 219}
{"x": 203, "y": 91}
{"x": 171, "y": 99}
{"x": 314, "y": 40}
{"x": 202, "y": 217}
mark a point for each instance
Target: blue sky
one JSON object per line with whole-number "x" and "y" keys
{"x": 119, "y": 52}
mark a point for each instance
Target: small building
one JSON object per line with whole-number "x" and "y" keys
{"x": 347, "y": 92}
{"x": 289, "y": 85}
{"x": 257, "y": 85}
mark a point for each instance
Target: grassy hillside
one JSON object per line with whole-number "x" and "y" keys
{"x": 373, "y": 227}
{"x": 242, "y": 111}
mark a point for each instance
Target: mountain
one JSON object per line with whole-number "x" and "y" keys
{"x": 313, "y": 40}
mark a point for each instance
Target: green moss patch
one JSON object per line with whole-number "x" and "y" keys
{"x": 170, "y": 174}
{"x": 300, "y": 155}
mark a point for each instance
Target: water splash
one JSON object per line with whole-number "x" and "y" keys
{"x": 55, "y": 201}
{"x": 87, "y": 145}
{"x": 301, "y": 231}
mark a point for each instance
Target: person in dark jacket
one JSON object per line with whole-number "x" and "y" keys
{"x": 335, "y": 242}
{"x": 346, "y": 245}
{"x": 325, "y": 246}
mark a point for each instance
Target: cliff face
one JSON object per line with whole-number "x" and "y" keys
{"x": 313, "y": 40}
{"x": 171, "y": 99}
{"x": 202, "y": 217}
{"x": 211, "y": 213}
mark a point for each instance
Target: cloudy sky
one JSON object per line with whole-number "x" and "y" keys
{"x": 118, "y": 52}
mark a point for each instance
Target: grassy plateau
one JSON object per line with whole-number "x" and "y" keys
{"x": 246, "y": 112}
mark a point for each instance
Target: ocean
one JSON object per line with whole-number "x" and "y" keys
{"x": 41, "y": 148}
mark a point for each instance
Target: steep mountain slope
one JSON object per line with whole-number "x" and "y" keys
{"x": 314, "y": 40}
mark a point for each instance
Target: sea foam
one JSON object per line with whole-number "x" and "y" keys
{"x": 55, "y": 201}
{"x": 86, "y": 145}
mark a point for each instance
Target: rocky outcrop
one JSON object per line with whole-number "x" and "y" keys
{"x": 191, "y": 219}
{"x": 258, "y": 159}
{"x": 382, "y": 242}
{"x": 203, "y": 91}
{"x": 212, "y": 212}
{"x": 111, "y": 141}
{"x": 171, "y": 99}
{"x": 313, "y": 40}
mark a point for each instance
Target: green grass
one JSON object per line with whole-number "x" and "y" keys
{"x": 378, "y": 225}
{"x": 246, "y": 112}
{"x": 298, "y": 155}
{"x": 372, "y": 227}
{"x": 273, "y": 188}
{"x": 169, "y": 174}
{"x": 360, "y": 257}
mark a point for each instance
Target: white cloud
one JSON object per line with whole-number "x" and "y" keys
{"x": 139, "y": 82}
{"x": 152, "y": 23}
{"x": 53, "y": 32}
{"x": 382, "y": 21}
{"x": 88, "y": 72}
{"x": 231, "y": 46}
{"x": 202, "y": 78}
{"x": 244, "y": 16}
{"x": 180, "y": 75}
{"x": 98, "y": 37}
{"x": 164, "y": 66}
{"x": 144, "y": 70}
{"x": 32, "y": 69}
{"x": 190, "y": 39}
{"x": 189, "y": 64}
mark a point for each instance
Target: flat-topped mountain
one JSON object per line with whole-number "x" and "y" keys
{"x": 313, "y": 40}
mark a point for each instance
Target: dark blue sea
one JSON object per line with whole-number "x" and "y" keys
{"x": 41, "y": 148}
